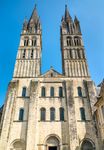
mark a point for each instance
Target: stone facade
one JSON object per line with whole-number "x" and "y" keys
{"x": 50, "y": 111}
{"x": 99, "y": 115}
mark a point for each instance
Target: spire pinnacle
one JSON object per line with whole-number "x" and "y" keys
{"x": 67, "y": 14}
{"x": 34, "y": 17}
{"x": 76, "y": 19}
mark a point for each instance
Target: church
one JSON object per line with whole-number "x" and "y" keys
{"x": 50, "y": 111}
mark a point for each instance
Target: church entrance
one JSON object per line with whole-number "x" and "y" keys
{"x": 52, "y": 148}
{"x": 18, "y": 145}
{"x": 87, "y": 145}
{"x": 52, "y": 143}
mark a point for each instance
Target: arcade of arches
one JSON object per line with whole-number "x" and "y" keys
{"x": 52, "y": 143}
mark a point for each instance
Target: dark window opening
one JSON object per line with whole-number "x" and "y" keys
{"x": 34, "y": 42}
{"x": 26, "y": 42}
{"x": 24, "y": 53}
{"x": 21, "y": 114}
{"x": 77, "y": 41}
{"x": 42, "y": 114}
{"x": 32, "y": 52}
{"x": 102, "y": 108}
{"x": 51, "y": 74}
{"x": 82, "y": 112}
{"x": 61, "y": 114}
{"x": 60, "y": 92}
{"x": 52, "y": 114}
{"x": 79, "y": 91}
{"x": 52, "y": 92}
{"x": 43, "y": 92}
{"x": 24, "y": 92}
{"x": 52, "y": 148}
{"x": 69, "y": 41}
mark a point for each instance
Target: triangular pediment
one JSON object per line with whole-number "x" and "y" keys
{"x": 52, "y": 74}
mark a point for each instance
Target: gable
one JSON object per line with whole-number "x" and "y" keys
{"x": 52, "y": 74}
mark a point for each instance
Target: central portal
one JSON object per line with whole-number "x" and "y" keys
{"x": 52, "y": 143}
{"x": 52, "y": 148}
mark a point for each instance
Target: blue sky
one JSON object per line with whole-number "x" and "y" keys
{"x": 12, "y": 14}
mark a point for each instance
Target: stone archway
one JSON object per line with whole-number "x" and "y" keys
{"x": 18, "y": 145}
{"x": 87, "y": 145}
{"x": 52, "y": 143}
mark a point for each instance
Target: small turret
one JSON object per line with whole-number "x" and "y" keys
{"x": 77, "y": 25}
{"x": 67, "y": 15}
{"x": 67, "y": 22}
{"x": 34, "y": 22}
{"x": 25, "y": 25}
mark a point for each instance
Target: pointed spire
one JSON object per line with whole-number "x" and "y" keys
{"x": 34, "y": 17}
{"x": 25, "y": 24}
{"x": 67, "y": 15}
{"x": 76, "y": 19}
{"x": 77, "y": 24}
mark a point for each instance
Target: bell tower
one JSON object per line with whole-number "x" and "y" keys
{"x": 28, "y": 61}
{"x": 73, "y": 53}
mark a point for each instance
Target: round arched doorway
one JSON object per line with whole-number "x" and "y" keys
{"x": 18, "y": 145}
{"x": 52, "y": 143}
{"x": 87, "y": 145}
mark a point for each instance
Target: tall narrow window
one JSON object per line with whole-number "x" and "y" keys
{"x": 34, "y": 42}
{"x": 26, "y": 42}
{"x": 21, "y": 114}
{"x": 42, "y": 114}
{"x": 61, "y": 114}
{"x": 77, "y": 41}
{"x": 102, "y": 108}
{"x": 60, "y": 92}
{"x": 24, "y": 53}
{"x": 52, "y": 91}
{"x": 79, "y": 91}
{"x": 24, "y": 92}
{"x": 69, "y": 41}
{"x": 82, "y": 113}
{"x": 52, "y": 114}
{"x": 43, "y": 92}
{"x": 32, "y": 53}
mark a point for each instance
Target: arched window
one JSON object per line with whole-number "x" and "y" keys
{"x": 43, "y": 92}
{"x": 52, "y": 114}
{"x": 61, "y": 114}
{"x": 24, "y": 53}
{"x": 60, "y": 92}
{"x": 21, "y": 114}
{"x": 32, "y": 53}
{"x": 69, "y": 41}
{"x": 87, "y": 145}
{"x": 18, "y": 145}
{"x": 34, "y": 42}
{"x": 52, "y": 91}
{"x": 42, "y": 114}
{"x": 82, "y": 113}
{"x": 26, "y": 42}
{"x": 79, "y": 91}
{"x": 77, "y": 41}
{"x": 24, "y": 92}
